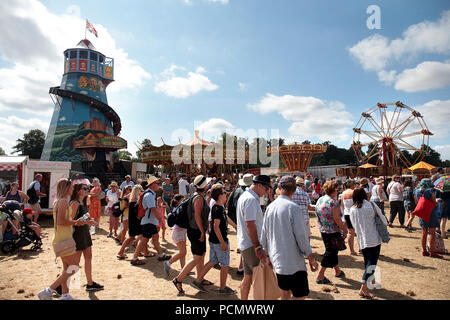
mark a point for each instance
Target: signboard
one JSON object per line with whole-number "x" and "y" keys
{"x": 73, "y": 65}
{"x": 93, "y": 67}
{"x": 113, "y": 142}
{"x": 82, "y": 65}
{"x": 108, "y": 72}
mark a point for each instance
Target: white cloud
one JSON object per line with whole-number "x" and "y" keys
{"x": 183, "y": 87}
{"x": 35, "y": 46}
{"x": 243, "y": 87}
{"x": 444, "y": 150}
{"x": 436, "y": 114}
{"x": 312, "y": 117}
{"x": 377, "y": 53}
{"x": 221, "y": 1}
{"x": 427, "y": 75}
{"x": 213, "y": 128}
{"x": 13, "y": 128}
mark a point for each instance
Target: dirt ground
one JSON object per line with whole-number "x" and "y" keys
{"x": 405, "y": 273}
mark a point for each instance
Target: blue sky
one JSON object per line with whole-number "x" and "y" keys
{"x": 295, "y": 66}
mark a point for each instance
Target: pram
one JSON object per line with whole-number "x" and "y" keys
{"x": 24, "y": 235}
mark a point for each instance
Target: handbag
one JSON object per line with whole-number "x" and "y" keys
{"x": 338, "y": 243}
{"x": 424, "y": 208}
{"x": 381, "y": 227}
{"x": 265, "y": 284}
{"x": 100, "y": 196}
{"x": 64, "y": 246}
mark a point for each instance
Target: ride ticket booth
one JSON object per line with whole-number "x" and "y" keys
{"x": 23, "y": 170}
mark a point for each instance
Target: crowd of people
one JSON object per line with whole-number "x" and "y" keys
{"x": 270, "y": 216}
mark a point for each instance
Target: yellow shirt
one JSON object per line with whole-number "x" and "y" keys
{"x": 63, "y": 232}
{"x": 122, "y": 206}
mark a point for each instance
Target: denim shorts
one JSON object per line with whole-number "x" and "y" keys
{"x": 217, "y": 255}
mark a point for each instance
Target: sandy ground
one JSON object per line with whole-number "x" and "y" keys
{"x": 405, "y": 273}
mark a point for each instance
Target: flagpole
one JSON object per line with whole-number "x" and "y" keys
{"x": 85, "y": 30}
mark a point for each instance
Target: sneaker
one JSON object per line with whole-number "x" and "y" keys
{"x": 227, "y": 291}
{"x": 167, "y": 268}
{"x": 67, "y": 296}
{"x": 45, "y": 294}
{"x": 94, "y": 287}
{"x": 198, "y": 285}
{"x": 58, "y": 292}
{"x": 240, "y": 272}
{"x": 217, "y": 266}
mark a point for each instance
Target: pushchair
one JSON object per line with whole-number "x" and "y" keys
{"x": 24, "y": 235}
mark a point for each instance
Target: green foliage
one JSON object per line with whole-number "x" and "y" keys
{"x": 2, "y": 152}
{"x": 124, "y": 155}
{"x": 31, "y": 145}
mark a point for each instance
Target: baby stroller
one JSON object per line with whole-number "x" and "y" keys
{"x": 24, "y": 235}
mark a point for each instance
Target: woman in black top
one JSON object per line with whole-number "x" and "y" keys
{"x": 134, "y": 224}
{"x": 81, "y": 234}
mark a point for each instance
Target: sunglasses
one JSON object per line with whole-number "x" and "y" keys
{"x": 85, "y": 189}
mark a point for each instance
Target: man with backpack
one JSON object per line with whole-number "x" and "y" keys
{"x": 34, "y": 193}
{"x": 198, "y": 212}
{"x": 149, "y": 223}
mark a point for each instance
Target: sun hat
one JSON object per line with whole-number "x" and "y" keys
{"x": 151, "y": 179}
{"x": 425, "y": 183}
{"x": 263, "y": 179}
{"x": 364, "y": 181}
{"x": 246, "y": 180}
{"x": 113, "y": 184}
{"x": 299, "y": 181}
{"x": 201, "y": 181}
{"x": 379, "y": 180}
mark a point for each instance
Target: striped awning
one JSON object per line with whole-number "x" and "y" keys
{"x": 8, "y": 167}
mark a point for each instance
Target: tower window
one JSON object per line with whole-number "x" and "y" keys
{"x": 83, "y": 54}
{"x": 73, "y": 54}
{"x": 93, "y": 56}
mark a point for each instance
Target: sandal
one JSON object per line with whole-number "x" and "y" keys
{"x": 324, "y": 281}
{"x": 340, "y": 275}
{"x": 366, "y": 295}
{"x": 207, "y": 282}
{"x": 137, "y": 262}
{"x": 425, "y": 253}
{"x": 149, "y": 255}
{"x": 435, "y": 255}
{"x": 121, "y": 257}
{"x": 179, "y": 288}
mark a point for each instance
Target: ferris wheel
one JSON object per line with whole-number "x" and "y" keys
{"x": 386, "y": 131}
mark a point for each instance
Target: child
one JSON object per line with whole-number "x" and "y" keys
{"x": 162, "y": 206}
{"x": 27, "y": 214}
{"x": 218, "y": 241}
{"x": 179, "y": 237}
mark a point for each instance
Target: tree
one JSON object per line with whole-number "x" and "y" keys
{"x": 306, "y": 142}
{"x": 2, "y": 152}
{"x": 31, "y": 145}
{"x": 124, "y": 155}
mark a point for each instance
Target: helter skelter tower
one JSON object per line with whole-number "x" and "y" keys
{"x": 84, "y": 129}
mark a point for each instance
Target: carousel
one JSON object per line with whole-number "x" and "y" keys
{"x": 204, "y": 157}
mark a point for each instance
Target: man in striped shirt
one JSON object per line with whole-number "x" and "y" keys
{"x": 301, "y": 198}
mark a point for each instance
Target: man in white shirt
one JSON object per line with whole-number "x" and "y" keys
{"x": 127, "y": 182}
{"x": 395, "y": 192}
{"x": 183, "y": 185}
{"x": 249, "y": 225}
{"x": 285, "y": 238}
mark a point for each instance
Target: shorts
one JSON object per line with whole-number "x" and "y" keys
{"x": 249, "y": 260}
{"x": 178, "y": 234}
{"x": 217, "y": 255}
{"x": 410, "y": 206}
{"x": 349, "y": 222}
{"x": 149, "y": 230}
{"x": 198, "y": 247}
{"x": 297, "y": 283}
{"x": 36, "y": 207}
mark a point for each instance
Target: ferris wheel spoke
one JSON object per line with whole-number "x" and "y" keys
{"x": 371, "y": 135}
{"x": 401, "y": 127}
{"x": 412, "y": 134}
{"x": 406, "y": 145}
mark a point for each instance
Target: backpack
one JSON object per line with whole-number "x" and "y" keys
{"x": 179, "y": 216}
{"x": 116, "y": 212}
{"x": 31, "y": 193}
{"x": 141, "y": 210}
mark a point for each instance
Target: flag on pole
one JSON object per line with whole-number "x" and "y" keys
{"x": 91, "y": 28}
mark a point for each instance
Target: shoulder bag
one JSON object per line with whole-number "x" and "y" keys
{"x": 64, "y": 246}
{"x": 381, "y": 227}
